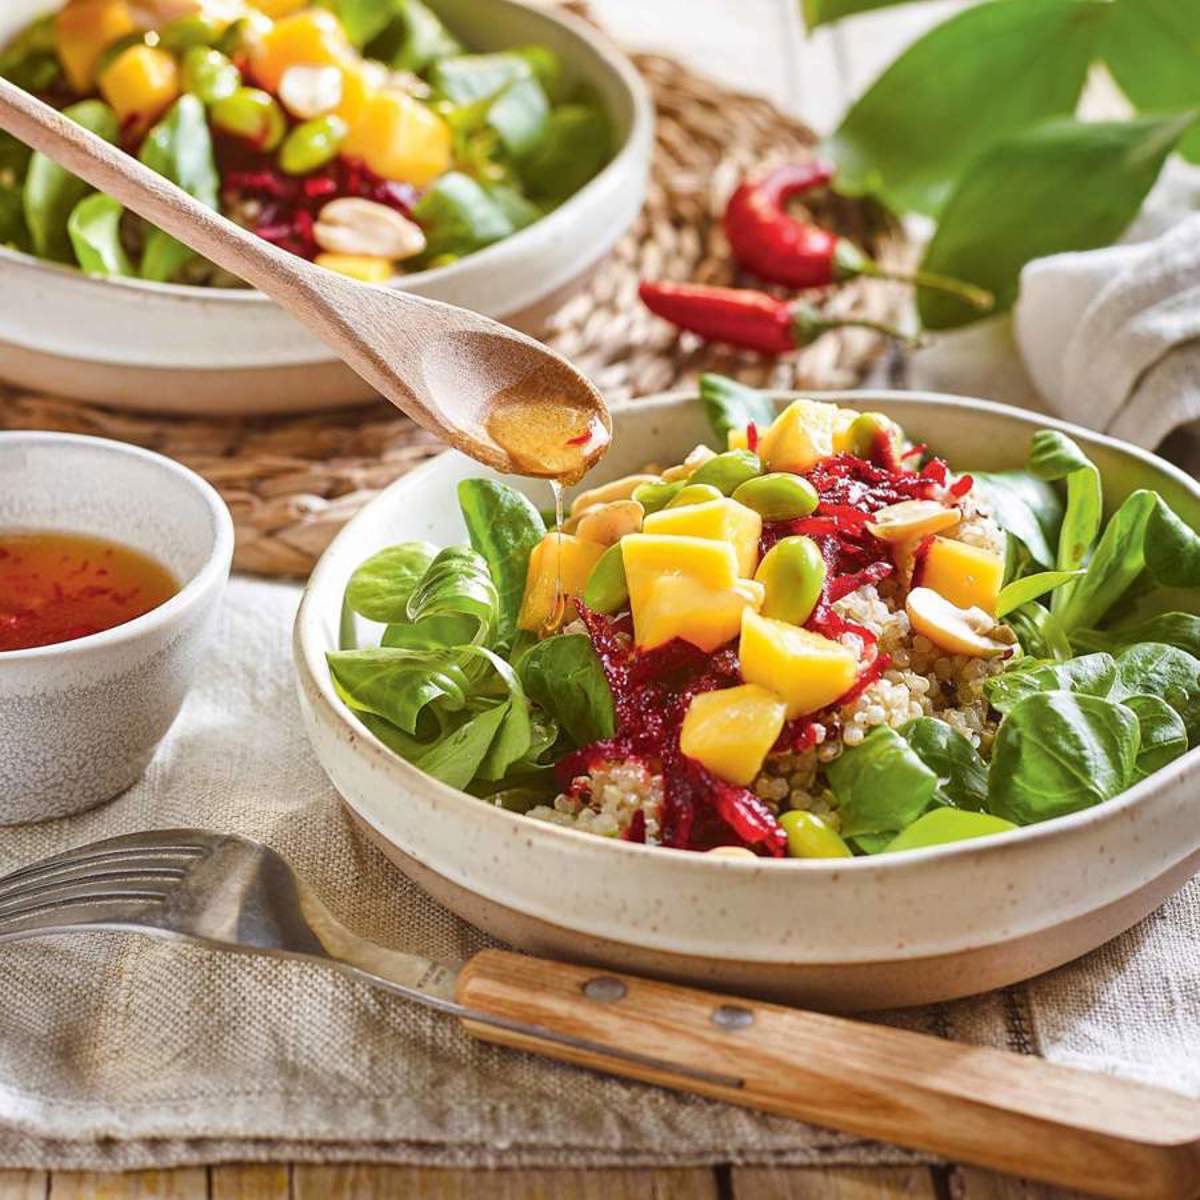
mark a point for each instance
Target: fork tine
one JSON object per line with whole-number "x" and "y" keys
{"x": 83, "y": 875}
{"x": 184, "y": 845}
{"x": 81, "y": 898}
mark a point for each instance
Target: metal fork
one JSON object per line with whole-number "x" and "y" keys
{"x": 236, "y": 894}
{"x": 969, "y": 1103}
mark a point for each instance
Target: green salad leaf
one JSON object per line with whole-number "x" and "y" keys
{"x": 51, "y": 193}
{"x": 730, "y": 405}
{"x": 412, "y": 38}
{"x": 398, "y": 684}
{"x": 881, "y": 785}
{"x": 1027, "y": 508}
{"x": 460, "y": 216}
{"x": 1172, "y": 548}
{"x": 1089, "y": 675}
{"x": 1162, "y": 734}
{"x": 1057, "y": 752}
{"x": 94, "y": 228}
{"x": 31, "y": 60}
{"x": 180, "y": 148}
{"x": 576, "y": 143}
{"x": 1027, "y": 588}
{"x": 458, "y": 586}
{"x": 1040, "y": 634}
{"x": 520, "y": 115}
{"x": 504, "y": 526}
{"x": 961, "y": 772}
{"x": 380, "y": 588}
{"x": 565, "y": 677}
{"x": 941, "y": 826}
{"x": 467, "y": 78}
{"x": 456, "y": 757}
{"x": 1167, "y": 672}
{"x": 1178, "y": 629}
{"x": 982, "y": 76}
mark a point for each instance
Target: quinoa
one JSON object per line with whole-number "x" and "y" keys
{"x": 604, "y": 801}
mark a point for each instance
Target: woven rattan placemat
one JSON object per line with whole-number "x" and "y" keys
{"x": 292, "y": 482}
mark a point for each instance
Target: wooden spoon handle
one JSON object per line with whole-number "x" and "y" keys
{"x": 1009, "y": 1112}
{"x": 147, "y": 193}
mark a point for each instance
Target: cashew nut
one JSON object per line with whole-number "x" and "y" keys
{"x": 607, "y": 524}
{"x": 690, "y": 465}
{"x": 619, "y": 489}
{"x": 154, "y": 14}
{"x": 309, "y": 91}
{"x": 362, "y": 227}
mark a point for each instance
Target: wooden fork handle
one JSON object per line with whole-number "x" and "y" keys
{"x": 971, "y": 1104}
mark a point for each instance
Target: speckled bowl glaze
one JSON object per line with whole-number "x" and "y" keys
{"x": 849, "y": 934}
{"x": 165, "y": 348}
{"x": 79, "y": 721}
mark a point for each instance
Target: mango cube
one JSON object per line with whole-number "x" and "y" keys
{"x": 142, "y": 82}
{"x": 83, "y": 31}
{"x": 731, "y": 731}
{"x": 559, "y": 566}
{"x": 967, "y": 576}
{"x": 400, "y": 138}
{"x": 275, "y": 9}
{"x": 800, "y": 436}
{"x": 357, "y": 88}
{"x": 679, "y": 607}
{"x": 313, "y": 37}
{"x": 721, "y": 520}
{"x": 363, "y": 267}
{"x": 809, "y": 671}
{"x": 842, "y": 420}
{"x": 737, "y": 439}
{"x": 648, "y": 557}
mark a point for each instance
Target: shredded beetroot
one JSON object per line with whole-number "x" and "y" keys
{"x": 920, "y": 554}
{"x": 752, "y": 438}
{"x": 961, "y": 486}
{"x": 289, "y": 204}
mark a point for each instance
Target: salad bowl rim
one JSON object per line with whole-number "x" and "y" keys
{"x": 315, "y": 678}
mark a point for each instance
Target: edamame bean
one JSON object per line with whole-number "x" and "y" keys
{"x": 727, "y": 472}
{"x": 312, "y": 144}
{"x": 870, "y": 432}
{"x": 793, "y": 573}
{"x": 655, "y": 496}
{"x": 778, "y": 496}
{"x": 245, "y": 34}
{"x": 694, "y": 493}
{"x": 808, "y": 836}
{"x": 186, "y": 32}
{"x": 607, "y": 590}
{"x": 209, "y": 75}
{"x": 252, "y": 114}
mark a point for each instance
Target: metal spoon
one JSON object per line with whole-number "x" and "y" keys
{"x": 485, "y": 389}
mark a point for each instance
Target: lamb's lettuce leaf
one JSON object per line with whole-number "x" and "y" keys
{"x": 564, "y": 676}
{"x": 881, "y": 785}
{"x": 961, "y": 772}
{"x": 94, "y": 228}
{"x": 379, "y": 589}
{"x": 1163, "y": 735}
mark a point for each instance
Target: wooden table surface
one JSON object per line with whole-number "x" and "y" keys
{"x": 297, "y": 1182}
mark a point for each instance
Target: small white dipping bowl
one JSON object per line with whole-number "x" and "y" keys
{"x": 890, "y": 930}
{"x": 80, "y": 720}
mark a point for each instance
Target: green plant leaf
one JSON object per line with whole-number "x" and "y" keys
{"x": 1011, "y": 207}
{"x": 1088, "y": 675}
{"x": 456, "y": 757}
{"x": 397, "y": 684}
{"x": 504, "y": 526}
{"x": 881, "y": 785}
{"x": 51, "y": 193}
{"x": 576, "y": 143}
{"x": 1163, "y": 735}
{"x": 1056, "y": 753}
{"x": 413, "y": 37}
{"x": 942, "y": 826}
{"x": 564, "y": 676}
{"x": 519, "y": 116}
{"x": 1178, "y": 629}
{"x": 1025, "y": 506}
{"x": 467, "y": 78}
{"x": 459, "y": 216}
{"x": 1152, "y": 48}
{"x": 179, "y": 147}
{"x": 457, "y": 584}
{"x": 962, "y": 774}
{"x": 94, "y": 228}
{"x": 1030, "y": 587}
{"x": 1152, "y": 669}
{"x": 1172, "y": 548}
{"x": 730, "y": 405}
{"x": 974, "y": 80}
{"x": 1039, "y": 633}
{"x": 380, "y": 588}
{"x": 822, "y": 12}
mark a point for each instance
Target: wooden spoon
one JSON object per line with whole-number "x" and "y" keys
{"x": 487, "y": 390}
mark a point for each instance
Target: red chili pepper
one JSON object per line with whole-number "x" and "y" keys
{"x": 747, "y": 319}
{"x": 768, "y": 241}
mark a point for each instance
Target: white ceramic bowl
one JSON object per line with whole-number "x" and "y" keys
{"x": 206, "y": 350}
{"x": 858, "y": 934}
{"x": 80, "y": 720}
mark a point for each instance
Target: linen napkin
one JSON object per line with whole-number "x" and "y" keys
{"x": 1110, "y": 337}
{"x": 119, "y": 1052}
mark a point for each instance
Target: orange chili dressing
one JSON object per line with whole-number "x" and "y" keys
{"x": 56, "y": 587}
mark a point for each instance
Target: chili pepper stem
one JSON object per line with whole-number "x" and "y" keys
{"x": 809, "y": 323}
{"x": 850, "y": 262}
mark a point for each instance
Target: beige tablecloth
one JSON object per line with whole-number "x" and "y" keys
{"x": 117, "y": 1051}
